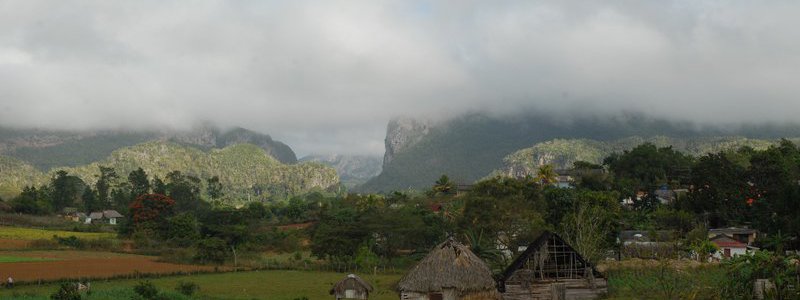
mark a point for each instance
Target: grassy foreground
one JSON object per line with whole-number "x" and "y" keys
{"x": 13, "y": 259}
{"x": 277, "y": 284}
{"x": 19, "y": 233}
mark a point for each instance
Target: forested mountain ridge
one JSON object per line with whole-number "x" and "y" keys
{"x": 469, "y": 147}
{"x": 245, "y": 170}
{"x": 47, "y": 149}
{"x": 562, "y": 153}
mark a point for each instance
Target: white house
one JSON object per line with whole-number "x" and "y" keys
{"x": 106, "y": 216}
{"x": 728, "y": 247}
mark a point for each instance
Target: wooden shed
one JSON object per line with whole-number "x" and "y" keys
{"x": 449, "y": 272}
{"x": 351, "y": 287}
{"x": 550, "y": 269}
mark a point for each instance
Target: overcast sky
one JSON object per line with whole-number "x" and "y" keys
{"x": 326, "y": 76}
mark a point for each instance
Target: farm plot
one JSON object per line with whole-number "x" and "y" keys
{"x": 272, "y": 285}
{"x": 54, "y": 265}
{"x": 19, "y": 233}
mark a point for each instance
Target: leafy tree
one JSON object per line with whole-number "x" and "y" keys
{"x": 104, "y": 184}
{"x": 159, "y": 187}
{"x": 211, "y": 250}
{"x": 186, "y": 192}
{"x": 721, "y": 191}
{"x": 90, "y": 201}
{"x": 183, "y": 229}
{"x": 214, "y": 188}
{"x": 32, "y": 201}
{"x": 65, "y": 190}
{"x": 505, "y": 210}
{"x": 139, "y": 183}
{"x": 647, "y": 167}
{"x": 338, "y": 234}
{"x": 151, "y": 211}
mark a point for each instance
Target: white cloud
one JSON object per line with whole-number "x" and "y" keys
{"x": 327, "y": 75}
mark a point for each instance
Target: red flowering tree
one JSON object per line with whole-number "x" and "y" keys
{"x": 149, "y": 208}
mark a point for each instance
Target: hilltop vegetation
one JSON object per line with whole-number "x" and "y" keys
{"x": 243, "y": 169}
{"x": 48, "y": 149}
{"x": 353, "y": 169}
{"x": 562, "y": 153}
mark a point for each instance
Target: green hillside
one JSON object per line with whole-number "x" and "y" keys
{"x": 15, "y": 174}
{"x": 245, "y": 170}
{"x": 562, "y": 153}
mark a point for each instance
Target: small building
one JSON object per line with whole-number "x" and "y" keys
{"x": 449, "y": 272}
{"x": 728, "y": 247}
{"x": 351, "y": 287}
{"x": 743, "y": 235}
{"x": 104, "y": 217}
{"x": 551, "y": 269}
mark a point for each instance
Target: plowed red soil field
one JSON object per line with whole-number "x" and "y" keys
{"x": 86, "y": 264}
{"x": 6, "y": 244}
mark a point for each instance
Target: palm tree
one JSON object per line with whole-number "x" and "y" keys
{"x": 443, "y": 185}
{"x": 481, "y": 247}
{"x": 546, "y": 175}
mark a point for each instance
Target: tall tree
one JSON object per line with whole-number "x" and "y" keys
{"x": 64, "y": 190}
{"x": 90, "y": 201}
{"x": 104, "y": 185}
{"x": 159, "y": 187}
{"x": 139, "y": 183}
{"x": 546, "y": 175}
{"x": 214, "y": 188}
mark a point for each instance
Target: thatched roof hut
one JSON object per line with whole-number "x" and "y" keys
{"x": 351, "y": 287}
{"x": 449, "y": 272}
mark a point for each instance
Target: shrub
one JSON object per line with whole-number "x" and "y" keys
{"x": 146, "y": 289}
{"x": 187, "y": 288}
{"x": 211, "y": 250}
{"x": 71, "y": 241}
{"x": 67, "y": 291}
{"x": 42, "y": 244}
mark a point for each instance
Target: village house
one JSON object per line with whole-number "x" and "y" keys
{"x": 743, "y": 235}
{"x": 449, "y": 272}
{"x": 728, "y": 247}
{"x": 104, "y": 217}
{"x": 550, "y": 269}
{"x": 351, "y": 287}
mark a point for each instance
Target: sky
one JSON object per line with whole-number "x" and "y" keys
{"x": 327, "y": 76}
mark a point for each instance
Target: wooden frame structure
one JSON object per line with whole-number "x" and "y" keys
{"x": 551, "y": 269}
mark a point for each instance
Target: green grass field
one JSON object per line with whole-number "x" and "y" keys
{"x": 18, "y": 233}
{"x": 277, "y": 285}
{"x": 13, "y": 259}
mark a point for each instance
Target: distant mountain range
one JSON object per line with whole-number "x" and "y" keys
{"x": 353, "y": 169}
{"x": 470, "y": 147}
{"x": 47, "y": 149}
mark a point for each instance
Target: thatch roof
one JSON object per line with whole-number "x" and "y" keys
{"x": 449, "y": 265}
{"x": 351, "y": 282}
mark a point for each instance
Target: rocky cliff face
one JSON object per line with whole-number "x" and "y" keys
{"x": 403, "y": 133}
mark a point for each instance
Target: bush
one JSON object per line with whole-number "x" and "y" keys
{"x": 42, "y": 244}
{"x": 71, "y": 241}
{"x": 211, "y": 250}
{"x": 68, "y": 291}
{"x": 146, "y": 290}
{"x": 187, "y": 288}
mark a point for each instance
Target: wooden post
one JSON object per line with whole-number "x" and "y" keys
{"x": 558, "y": 291}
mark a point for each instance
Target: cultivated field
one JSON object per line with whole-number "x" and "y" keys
{"x": 276, "y": 285}
{"x": 18, "y": 233}
{"x": 32, "y": 266}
